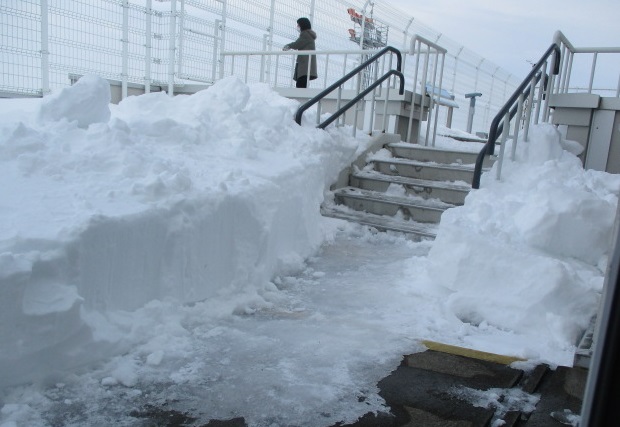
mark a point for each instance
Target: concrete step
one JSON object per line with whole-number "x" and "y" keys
{"x": 448, "y": 192}
{"x": 424, "y": 170}
{"x": 380, "y": 222}
{"x": 431, "y": 154}
{"x": 379, "y": 203}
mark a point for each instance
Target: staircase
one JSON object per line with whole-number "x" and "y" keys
{"x": 405, "y": 188}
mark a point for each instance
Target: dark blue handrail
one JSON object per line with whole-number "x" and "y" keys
{"x": 511, "y": 107}
{"x": 350, "y": 75}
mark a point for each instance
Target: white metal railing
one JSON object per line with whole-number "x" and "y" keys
{"x": 603, "y": 74}
{"x": 269, "y": 67}
{"x": 530, "y": 103}
{"x": 431, "y": 69}
{"x": 422, "y": 66}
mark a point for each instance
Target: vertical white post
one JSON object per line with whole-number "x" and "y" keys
{"x": 456, "y": 63}
{"x": 486, "y": 110}
{"x": 312, "y": 8}
{"x": 172, "y": 46}
{"x": 517, "y": 126}
{"x": 45, "y": 52}
{"x": 181, "y": 40}
{"x": 223, "y": 35}
{"x": 406, "y": 33}
{"x": 541, "y": 92}
{"x": 423, "y": 91}
{"x": 416, "y": 52}
{"x": 216, "y": 42}
{"x": 125, "y": 60}
{"x": 148, "y": 45}
{"x": 363, "y": 24}
{"x": 262, "y": 58}
{"x": 526, "y": 125}
{"x": 592, "y": 72}
{"x": 272, "y": 12}
{"x": 502, "y": 147}
{"x": 443, "y": 60}
{"x": 477, "y": 73}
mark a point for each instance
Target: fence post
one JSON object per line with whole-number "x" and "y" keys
{"x": 125, "y": 41}
{"x": 148, "y": 37}
{"x": 172, "y": 46}
{"x": 45, "y": 51}
{"x": 181, "y": 39}
{"x": 223, "y": 36}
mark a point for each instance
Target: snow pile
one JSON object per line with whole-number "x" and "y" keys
{"x": 528, "y": 253}
{"x": 106, "y": 207}
{"x": 168, "y": 253}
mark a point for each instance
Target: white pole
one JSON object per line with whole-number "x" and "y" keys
{"x": 312, "y": 7}
{"x": 223, "y": 35}
{"x": 125, "y": 60}
{"x": 592, "y": 72}
{"x": 477, "y": 73}
{"x": 172, "y": 46}
{"x": 216, "y": 41}
{"x": 406, "y": 33}
{"x": 181, "y": 39}
{"x": 45, "y": 53}
{"x": 149, "y": 47}
{"x": 269, "y": 43}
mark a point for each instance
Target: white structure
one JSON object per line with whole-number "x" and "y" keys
{"x": 170, "y": 45}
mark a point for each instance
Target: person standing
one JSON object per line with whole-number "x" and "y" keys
{"x": 305, "y": 41}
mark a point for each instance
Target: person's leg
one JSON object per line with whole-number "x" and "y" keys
{"x": 302, "y": 81}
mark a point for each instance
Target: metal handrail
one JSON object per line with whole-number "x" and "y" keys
{"x": 361, "y": 95}
{"x": 522, "y": 92}
{"x": 350, "y": 75}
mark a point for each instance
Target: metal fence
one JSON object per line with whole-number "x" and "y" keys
{"x": 171, "y": 42}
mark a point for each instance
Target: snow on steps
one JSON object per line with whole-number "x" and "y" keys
{"x": 428, "y": 181}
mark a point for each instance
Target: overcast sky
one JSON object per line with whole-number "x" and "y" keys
{"x": 511, "y": 32}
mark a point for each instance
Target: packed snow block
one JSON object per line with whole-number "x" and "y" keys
{"x": 86, "y": 102}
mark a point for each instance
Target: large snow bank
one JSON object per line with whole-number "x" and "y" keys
{"x": 527, "y": 253}
{"x": 109, "y": 207}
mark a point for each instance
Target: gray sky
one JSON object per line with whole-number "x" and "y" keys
{"x": 510, "y": 32}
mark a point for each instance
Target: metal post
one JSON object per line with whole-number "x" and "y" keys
{"x": 223, "y": 34}
{"x": 312, "y": 7}
{"x": 269, "y": 42}
{"x": 413, "y": 51}
{"x": 216, "y": 40}
{"x": 502, "y": 147}
{"x": 526, "y": 125}
{"x": 456, "y": 63}
{"x": 406, "y": 33}
{"x": 592, "y": 72}
{"x": 45, "y": 52}
{"x": 517, "y": 126}
{"x": 181, "y": 39}
{"x": 364, "y": 23}
{"x": 423, "y": 84}
{"x": 148, "y": 36}
{"x": 125, "y": 40}
{"x": 477, "y": 73}
{"x": 261, "y": 77}
{"x": 472, "y": 109}
{"x": 172, "y": 46}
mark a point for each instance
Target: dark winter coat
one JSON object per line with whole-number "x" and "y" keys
{"x": 304, "y": 42}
